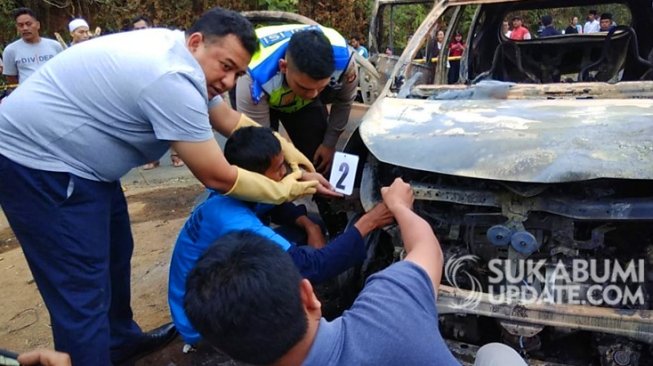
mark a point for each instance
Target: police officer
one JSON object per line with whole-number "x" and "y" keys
{"x": 298, "y": 70}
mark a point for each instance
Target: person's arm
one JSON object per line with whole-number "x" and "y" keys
{"x": 182, "y": 118}
{"x": 207, "y": 163}
{"x": 376, "y": 218}
{"x": 419, "y": 240}
{"x": 223, "y": 118}
{"x": 44, "y": 357}
{"x": 289, "y": 214}
{"x": 9, "y": 66}
{"x": 343, "y": 252}
{"x": 338, "y": 118}
{"x": 314, "y": 236}
{"x": 259, "y": 112}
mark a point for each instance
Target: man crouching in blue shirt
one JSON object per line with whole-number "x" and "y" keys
{"x": 256, "y": 149}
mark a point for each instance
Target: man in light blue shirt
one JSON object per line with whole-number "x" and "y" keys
{"x": 355, "y": 42}
{"x": 31, "y": 51}
{"x": 82, "y": 121}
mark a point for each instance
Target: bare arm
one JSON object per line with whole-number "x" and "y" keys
{"x": 338, "y": 118}
{"x": 45, "y": 358}
{"x": 341, "y": 106}
{"x": 419, "y": 240}
{"x": 258, "y": 112}
{"x": 223, "y": 118}
{"x": 376, "y": 218}
{"x": 314, "y": 236}
{"x": 206, "y": 161}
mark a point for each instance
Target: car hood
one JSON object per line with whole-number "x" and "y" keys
{"x": 539, "y": 141}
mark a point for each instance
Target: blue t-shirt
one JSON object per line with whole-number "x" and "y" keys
{"x": 212, "y": 219}
{"x": 394, "y": 321}
{"x": 220, "y": 215}
{"x": 361, "y": 50}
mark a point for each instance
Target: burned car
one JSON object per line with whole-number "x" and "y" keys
{"x": 539, "y": 153}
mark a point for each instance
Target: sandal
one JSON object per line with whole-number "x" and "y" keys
{"x": 176, "y": 161}
{"x": 151, "y": 165}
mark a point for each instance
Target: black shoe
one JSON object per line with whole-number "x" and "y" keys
{"x": 148, "y": 343}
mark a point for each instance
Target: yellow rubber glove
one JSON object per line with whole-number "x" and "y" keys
{"x": 294, "y": 156}
{"x": 255, "y": 187}
{"x": 245, "y": 121}
{"x": 290, "y": 152}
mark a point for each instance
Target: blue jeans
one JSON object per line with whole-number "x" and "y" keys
{"x": 76, "y": 237}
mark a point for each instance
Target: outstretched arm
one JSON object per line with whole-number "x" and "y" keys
{"x": 343, "y": 252}
{"x": 419, "y": 240}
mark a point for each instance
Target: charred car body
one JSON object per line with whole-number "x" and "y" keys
{"x": 542, "y": 152}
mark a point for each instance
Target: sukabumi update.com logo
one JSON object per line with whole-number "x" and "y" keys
{"x": 526, "y": 281}
{"x": 572, "y": 282}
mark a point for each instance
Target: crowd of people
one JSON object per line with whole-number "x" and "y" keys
{"x": 91, "y": 113}
{"x": 516, "y": 30}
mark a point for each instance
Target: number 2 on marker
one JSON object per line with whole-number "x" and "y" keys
{"x": 343, "y": 172}
{"x": 344, "y": 168}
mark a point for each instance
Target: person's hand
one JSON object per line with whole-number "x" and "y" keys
{"x": 324, "y": 188}
{"x": 44, "y": 357}
{"x": 254, "y": 187}
{"x": 380, "y": 215}
{"x": 376, "y": 218}
{"x": 323, "y": 158}
{"x": 314, "y": 236}
{"x": 398, "y": 194}
{"x": 298, "y": 184}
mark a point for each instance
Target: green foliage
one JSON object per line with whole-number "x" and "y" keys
{"x": 401, "y": 22}
{"x": 282, "y": 5}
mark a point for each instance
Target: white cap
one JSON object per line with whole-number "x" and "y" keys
{"x": 76, "y": 23}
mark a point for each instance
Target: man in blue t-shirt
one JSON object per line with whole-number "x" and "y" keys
{"x": 258, "y": 150}
{"x": 355, "y": 42}
{"x": 246, "y": 298}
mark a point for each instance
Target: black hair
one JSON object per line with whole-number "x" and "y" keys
{"x": 243, "y": 297}
{"x": 252, "y": 148}
{"x": 143, "y": 18}
{"x": 606, "y": 16}
{"x": 312, "y": 54}
{"x": 547, "y": 20}
{"x": 219, "y": 22}
{"x": 516, "y": 17}
{"x": 357, "y": 37}
{"x": 22, "y": 11}
{"x": 593, "y": 12}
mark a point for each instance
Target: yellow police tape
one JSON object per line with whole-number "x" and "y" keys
{"x": 435, "y": 59}
{"x": 8, "y": 86}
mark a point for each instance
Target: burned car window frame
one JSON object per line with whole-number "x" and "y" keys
{"x": 522, "y": 168}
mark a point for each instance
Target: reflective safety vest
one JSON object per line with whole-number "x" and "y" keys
{"x": 264, "y": 67}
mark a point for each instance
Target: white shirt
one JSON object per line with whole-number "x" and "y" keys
{"x": 591, "y": 27}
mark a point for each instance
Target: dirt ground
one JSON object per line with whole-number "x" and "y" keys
{"x": 157, "y": 215}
